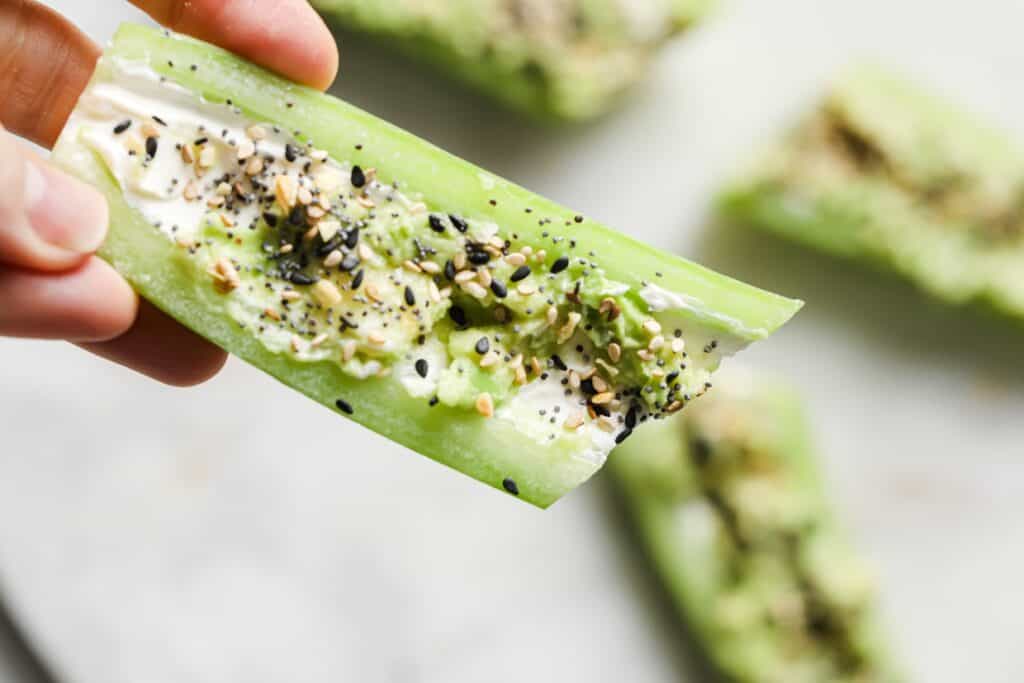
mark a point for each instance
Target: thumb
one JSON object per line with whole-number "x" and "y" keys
{"x": 48, "y": 220}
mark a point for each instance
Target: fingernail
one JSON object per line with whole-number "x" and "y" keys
{"x": 63, "y": 211}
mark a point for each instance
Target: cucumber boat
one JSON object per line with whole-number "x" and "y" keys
{"x": 728, "y": 504}
{"x": 891, "y": 175}
{"x": 435, "y": 303}
{"x": 555, "y": 59}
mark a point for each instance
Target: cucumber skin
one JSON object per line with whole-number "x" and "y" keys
{"x": 488, "y": 450}
{"x": 553, "y": 98}
{"x": 867, "y": 221}
{"x": 679, "y": 567}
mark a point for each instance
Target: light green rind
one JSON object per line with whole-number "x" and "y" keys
{"x": 656, "y": 479}
{"x": 580, "y": 78}
{"x": 488, "y": 450}
{"x": 874, "y": 218}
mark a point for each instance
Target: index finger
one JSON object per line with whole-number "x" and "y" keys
{"x": 286, "y": 36}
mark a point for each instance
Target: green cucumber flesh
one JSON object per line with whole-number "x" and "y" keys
{"x": 729, "y": 506}
{"x": 889, "y": 174}
{"x": 555, "y": 60}
{"x": 247, "y": 262}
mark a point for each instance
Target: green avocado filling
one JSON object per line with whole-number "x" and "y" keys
{"x": 565, "y": 58}
{"x": 748, "y": 542}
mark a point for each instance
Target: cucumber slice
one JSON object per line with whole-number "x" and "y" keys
{"x": 729, "y": 506}
{"x": 891, "y": 175}
{"x": 425, "y": 298}
{"x": 567, "y": 60}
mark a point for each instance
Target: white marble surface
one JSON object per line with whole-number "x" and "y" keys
{"x": 236, "y": 533}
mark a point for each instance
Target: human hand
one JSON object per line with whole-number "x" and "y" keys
{"x": 51, "y": 284}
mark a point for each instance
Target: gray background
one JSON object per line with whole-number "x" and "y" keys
{"x": 154, "y": 535}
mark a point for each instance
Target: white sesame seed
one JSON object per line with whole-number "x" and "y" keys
{"x": 656, "y": 343}
{"x": 678, "y": 346}
{"x": 475, "y": 290}
{"x": 376, "y": 338}
{"x": 254, "y": 166}
{"x": 430, "y": 267}
{"x": 348, "y": 349}
{"x": 525, "y": 289}
{"x": 489, "y": 359}
{"x": 326, "y": 293}
{"x": 551, "y": 316}
{"x": 515, "y": 259}
{"x": 256, "y": 132}
{"x": 245, "y": 149}
{"x": 328, "y": 229}
{"x": 223, "y": 190}
{"x": 318, "y": 340}
{"x": 207, "y": 157}
{"x": 464, "y": 276}
{"x": 286, "y": 191}
{"x": 652, "y": 327}
{"x": 191, "y": 191}
{"x": 186, "y": 154}
{"x": 614, "y": 352}
{"x": 304, "y": 196}
{"x": 290, "y": 295}
{"x": 484, "y": 276}
{"x": 574, "y": 421}
{"x": 333, "y": 259}
{"x": 318, "y": 155}
{"x": 569, "y": 328}
{"x": 485, "y": 404}
{"x": 296, "y": 343}
{"x": 602, "y": 398}
{"x": 411, "y": 266}
{"x": 149, "y": 130}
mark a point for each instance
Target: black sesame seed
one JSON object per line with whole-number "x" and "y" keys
{"x": 483, "y": 345}
{"x": 522, "y": 272}
{"x": 349, "y": 263}
{"x": 459, "y": 223}
{"x": 499, "y": 289}
{"x": 436, "y": 223}
{"x": 422, "y": 367}
{"x": 510, "y": 485}
{"x": 329, "y": 246}
{"x": 358, "y": 177}
{"x": 587, "y": 387}
{"x": 449, "y": 269}
{"x": 151, "y": 147}
{"x": 623, "y": 435}
{"x": 297, "y": 278}
{"x": 578, "y": 219}
{"x": 270, "y": 219}
{"x": 297, "y": 216}
{"x": 344, "y": 406}
{"x": 352, "y": 238}
{"x": 159, "y": 120}
{"x": 672, "y": 377}
{"x": 478, "y": 258}
{"x": 291, "y": 152}
{"x": 357, "y": 280}
{"x": 433, "y": 401}
{"x": 122, "y": 127}
{"x": 200, "y": 141}
{"x": 457, "y": 315}
{"x": 560, "y": 264}
{"x": 410, "y": 298}
{"x": 559, "y": 363}
{"x": 631, "y": 418}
